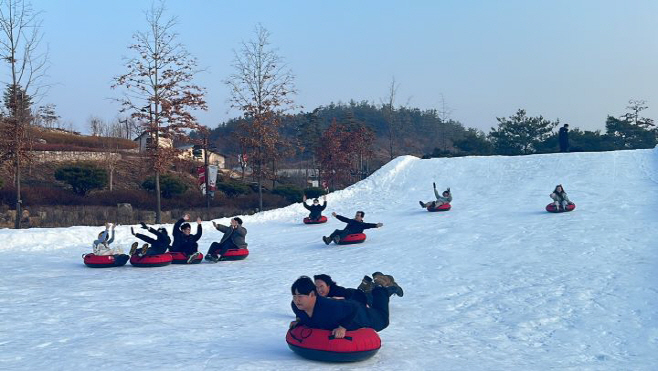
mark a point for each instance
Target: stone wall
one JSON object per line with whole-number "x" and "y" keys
{"x": 69, "y": 156}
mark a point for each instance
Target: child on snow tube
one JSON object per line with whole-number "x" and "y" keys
{"x": 560, "y": 198}
{"x": 315, "y": 209}
{"x": 101, "y": 246}
{"x": 444, "y": 198}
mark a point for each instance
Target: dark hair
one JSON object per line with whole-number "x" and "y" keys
{"x": 566, "y": 125}
{"x": 185, "y": 226}
{"x": 238, "y": 220}
{"x": 316, "y": 200}
{"x": 162, "y": 230}
{"x": 362, "y": 213}
{"x": 325, "y": 278}
{"x": 303, "y": 285}
{"x": 560, "y": 193}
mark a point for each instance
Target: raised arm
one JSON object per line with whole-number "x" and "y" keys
{"x": 342, "y": 218}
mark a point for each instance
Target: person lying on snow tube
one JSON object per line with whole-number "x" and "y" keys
{"x": 356, "y": 225}
{"x": 338, "y": 316}
{"x": 101, "y": 246}
{"x": 315, "y": 209}
{"x": 157, "y": 246}
{"x": 233, "y": 238}
{"x": 560, "y": 198}
{"x": 184, "y": 241}
{"x": 326, "y": 287}
{"x": 444, "y": 198}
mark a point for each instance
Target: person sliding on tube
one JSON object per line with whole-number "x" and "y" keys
{"x": 443, "y": 199}
{"x": 233, "y": 238}
{"x": 158, "y": 246}
{"x": 356, "y": 225}
{"x": 184, "y": 241}
{"x": 315, "y": 311}
{"x": 315, "y": 209}
{"x": 560, "y": 197}
{"x": 101, "y": 246}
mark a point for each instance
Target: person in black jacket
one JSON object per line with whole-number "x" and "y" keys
{"x": 315, "y": 209}
{"x": 315, "y": 311}
{"x": 158, "y": 246}
{"x": 233, "y": 238}
{"x": 184, "y": 240}
{"x": 326, "y": 287}
{"x": 563, "y": 136}
{"x": 356, "y": 225}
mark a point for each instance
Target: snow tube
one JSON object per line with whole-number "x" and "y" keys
{"x": 105, "y": 261}
{"x": 444, "y": 207}
{"x": 320, "y": 345}
{"x": 151, "y": 260}
{"x": 323, "y": 219}
{"x": 235, "y": 254}
{"x": 180, "y": 258}
{"x": 552, "y": 209}
{"x": 352, "y": 238}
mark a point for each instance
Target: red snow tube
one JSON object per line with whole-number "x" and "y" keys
{"x": 105, "y": 261}
{"x": 320, "y": 345}
{"x": 235, "y": 254}
{"x": 323, "y": 219}
{"x": 180, "y": 258}
{"x": 552, "y": 209}
{"x": 352, "y": 238}
{"x": 444, "y": 207}
{"x": 151, "y": 260}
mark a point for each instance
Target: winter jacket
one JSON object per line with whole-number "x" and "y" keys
{"x": 439, "y": 198}
{"x": 159, "y": 245}
{"x": 328, "y": 314}
{"x": 336, "y": 291}
{"x": 236, "y": 235}
{"x": 101, "y": 246}
{"x": 354, "y": 226}
{"x": 560, "y": 197}
{"x": 185, "y": 243}
{"x": 316, "y": 210}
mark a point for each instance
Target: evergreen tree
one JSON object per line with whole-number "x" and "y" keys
{"x": 82, "y": 178}
{"x": 519, "y": 134}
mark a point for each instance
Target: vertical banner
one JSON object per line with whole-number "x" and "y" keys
{"x": 212, "y": 177}
{"x": 201, "y": 173}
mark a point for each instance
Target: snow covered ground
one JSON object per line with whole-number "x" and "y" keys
{"x": 496, "y": 283}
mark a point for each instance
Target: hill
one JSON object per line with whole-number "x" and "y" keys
{"x": 495, "y": 283}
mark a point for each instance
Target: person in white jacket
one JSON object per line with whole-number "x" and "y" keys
{"x": 560, "y": 198}
{"x": 444, "y": 198}
{"x": 101, "y": 246}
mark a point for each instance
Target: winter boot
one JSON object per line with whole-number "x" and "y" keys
{"x": 422, "y": 204}
{"x": 399, "y": 292}
{"x": 336, "y": 239}
{"x": 145, "y": 249}
{"x": 366, "y": 284}
{"x": 193, "y": 257}
{"x": 133, "y": 248}
{"x": 326, "y": 240}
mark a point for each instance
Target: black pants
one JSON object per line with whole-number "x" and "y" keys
{"x": 378, "y": 312}
{"x": 156, "y": 247}
{"x": 187, "y": 249}
{"x": 564, "y": 147}
{"x": 217, "y": 248}
{"x": 341, "y": 233}
{"x": 313, "y": 216}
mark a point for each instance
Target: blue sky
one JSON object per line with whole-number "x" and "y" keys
{"x": 573, "y": 60}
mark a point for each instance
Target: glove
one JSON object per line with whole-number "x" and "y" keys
{"x": 144, "y": 226}
{"x": 434, "y": 184}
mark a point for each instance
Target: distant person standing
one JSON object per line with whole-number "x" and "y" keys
{"x": 563, "y": 135}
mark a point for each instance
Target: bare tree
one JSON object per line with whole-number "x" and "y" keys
{"x": 159, "y": 90}
{"x": 392, "y": 123}
{"x": 97, "y": 126}
{"x": 46, "y": 116}
{"x": 444, "y": 114}
{"x": 261, "y": 87}
{"x": 20, "y": 40}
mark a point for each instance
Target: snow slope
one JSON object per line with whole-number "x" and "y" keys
{"x": 496, "y": 283}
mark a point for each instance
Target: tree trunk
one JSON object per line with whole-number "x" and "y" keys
{"x": 19, "y": 211}
{"x": 157, "y": 197}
